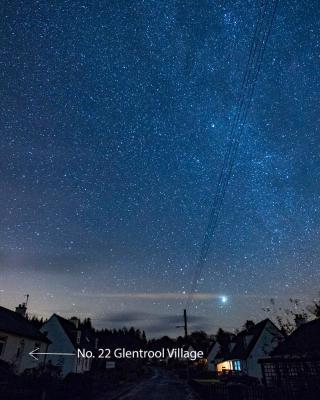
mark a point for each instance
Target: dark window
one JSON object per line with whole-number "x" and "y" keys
{"x": 20, "y": 349}
{"x": 3, "y": 341}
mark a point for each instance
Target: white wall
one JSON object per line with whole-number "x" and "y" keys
{"x": 83, "y": 365}
{"x": 24, "y": 361}
{"x": 60, "y": 344}
{"x": 268, "y": 340}
{"x": 211, "y": 357}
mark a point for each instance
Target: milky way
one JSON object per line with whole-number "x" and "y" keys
{"x": 115, "y": 120}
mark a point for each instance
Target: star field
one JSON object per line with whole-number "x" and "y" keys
{"x": 115, "y": 118}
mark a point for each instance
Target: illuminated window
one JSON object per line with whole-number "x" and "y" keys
{"x": 224, "y": 366}
{"x": 236, "y": 365}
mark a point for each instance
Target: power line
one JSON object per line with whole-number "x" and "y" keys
{"x": 261, "y": 34}
{"x": 226, "y": 161}
{"x": 230, "y": 156}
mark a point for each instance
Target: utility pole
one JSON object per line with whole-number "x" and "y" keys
{"x": 185, "y": 324}
{"x": 185, "y": 327}
{"x": 186, "y": 338}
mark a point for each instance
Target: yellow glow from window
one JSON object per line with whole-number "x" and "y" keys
{"x": 224, "y": 366}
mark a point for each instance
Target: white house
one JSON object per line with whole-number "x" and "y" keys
{"x": 66, "y": 336}
{"x": 211, "y": 357}
{"x": 18, "y": 337}
{"x": 246, "y": 348}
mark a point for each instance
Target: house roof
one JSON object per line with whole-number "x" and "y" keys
{"x": 303, "y": 342}
{"x": 242, "y": 349}
{"x": 86, "y": 339}
{"x": 16, "y": 324}
{"x": 213, "y": 343}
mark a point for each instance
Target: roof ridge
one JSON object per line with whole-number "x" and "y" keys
{"x": 14, "y": 323}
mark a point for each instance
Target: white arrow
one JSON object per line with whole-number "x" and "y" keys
{"x": 34, "y": 353}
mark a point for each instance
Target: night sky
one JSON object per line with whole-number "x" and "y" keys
{"x": 115, "y": 118}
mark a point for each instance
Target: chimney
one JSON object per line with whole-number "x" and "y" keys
{"x": 22, "y": 309}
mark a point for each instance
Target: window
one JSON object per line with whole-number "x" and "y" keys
{"x": 224, "y": 366}
{"x": 3, "y": 341}
{"x": 236, "y": 365}
{"x": 20, "y": 349}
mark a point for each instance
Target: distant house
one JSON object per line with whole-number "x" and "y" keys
{"x": 18, "y": 337}
{"x": 67, "y": 336}
{"x": 246, "y": 348}
{"x": 294, "y": 366}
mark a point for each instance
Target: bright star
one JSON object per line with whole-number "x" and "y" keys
{"x": 224, "y": 299}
